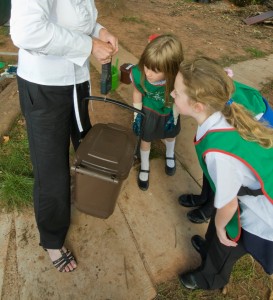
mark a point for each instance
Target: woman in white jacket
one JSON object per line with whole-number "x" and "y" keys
{"x": 55, "y": 39}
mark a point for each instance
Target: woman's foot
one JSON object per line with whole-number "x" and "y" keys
{"x": 62, "y": 259}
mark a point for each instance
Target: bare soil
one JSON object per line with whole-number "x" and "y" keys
{"x": 215, "y": 29}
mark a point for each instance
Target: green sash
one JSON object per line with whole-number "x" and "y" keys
{"x": 153, "y": 96}
{"x": 254, "y": 156}
{"x": 249, "y": 97}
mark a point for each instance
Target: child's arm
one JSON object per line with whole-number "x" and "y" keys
{"x": 137, "y": 103}
{"x": 175, "y": 114}
{"x": 137, "y": 100}
{"x": 223, "y": 216}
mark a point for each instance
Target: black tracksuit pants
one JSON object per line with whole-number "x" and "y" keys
{"x": 215, "y": 270}
{"x": 51, "y": 122}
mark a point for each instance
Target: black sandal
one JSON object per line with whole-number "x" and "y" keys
{"x": 63, "y": 261}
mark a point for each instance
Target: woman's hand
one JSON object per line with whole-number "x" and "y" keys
{"x": 102, "y": 51}
{"x": 105, "y": 46}
{"x": 107, "y": 37}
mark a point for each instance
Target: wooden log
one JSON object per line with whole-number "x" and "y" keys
{"x": 259, "y": 18}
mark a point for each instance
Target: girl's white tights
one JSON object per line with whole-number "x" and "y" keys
{"x": 170, "y": 152}
{"x": 144, "y": 157}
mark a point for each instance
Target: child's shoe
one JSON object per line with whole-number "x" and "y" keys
{"x": 143, "y": 185}
{"x": 170, "y": 171}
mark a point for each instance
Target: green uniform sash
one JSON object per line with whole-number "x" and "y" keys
{"x": 257, "y": 158}
{"x": 249, "y": 97}
{"x": 153, "y": 96}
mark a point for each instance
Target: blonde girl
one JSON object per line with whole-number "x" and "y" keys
{"x": 235, "y": 152}
{"x": 153, "y": 80}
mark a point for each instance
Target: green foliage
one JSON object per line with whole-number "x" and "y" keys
{"x": 15, "y": 190}
{"x": 267, "y": 92}
{"x": 4, "y": 31}
{"x": 242, "y": 3}
{"x": 255, "y": 52}
{"x": 226, "y": 61}
{"x": 248, "y": 281}
{"x": 16, "y": 180}
{"x": 133, "y": 19}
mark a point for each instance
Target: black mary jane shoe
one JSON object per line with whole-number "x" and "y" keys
{"x": 197, "y": 216}
{"x": 188, "y": 281}
{"x": 190, "y": 200}
{"x": 168, "y": 170}
{"x": 143, "y": 185}
{"x": 199, "y": 244}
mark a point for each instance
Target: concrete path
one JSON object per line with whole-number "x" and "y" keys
{"x": 146, "y": 241}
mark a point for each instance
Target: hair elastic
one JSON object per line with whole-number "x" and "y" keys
{"x": 229, "y": 102}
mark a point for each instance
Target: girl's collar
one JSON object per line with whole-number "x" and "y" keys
{"x": 161, "y": 82}
{"x": 216, "y": 120}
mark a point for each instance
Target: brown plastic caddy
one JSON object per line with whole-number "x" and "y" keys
{"x": 102, "y": 162}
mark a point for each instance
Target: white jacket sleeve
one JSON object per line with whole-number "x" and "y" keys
{"x": 32, "y": 29}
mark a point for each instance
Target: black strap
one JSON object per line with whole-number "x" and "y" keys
{"x": 243, "y": 191}
{"x": 144, "y": 171}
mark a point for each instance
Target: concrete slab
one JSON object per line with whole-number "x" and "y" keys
{"x": 5, "y": 228}
{"x": 109, "y": 264}
{"x": 185, "y": 150}
{"x": 255, "y": 72}
{"x": 159, "y": 224}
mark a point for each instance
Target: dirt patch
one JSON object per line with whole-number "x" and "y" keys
{"x": 10, "y": 281}
{"x": 214, "y": 29}
{"x": 4, "y": 83}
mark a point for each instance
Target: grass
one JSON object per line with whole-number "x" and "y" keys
{"x": 4, "y": 30}
{"x": 8, "y": 61}
{"x": 16, "y": 179}
{"x": 226, "y": 61}
{"x": 267, "y": 92}
{"x": 133, "y": 19}
{"x": 248, "y": 281}
{"x": 255, "y": 53}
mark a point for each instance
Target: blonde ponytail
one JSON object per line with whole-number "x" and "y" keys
{"x": 249, "y": 128}
{"x": 207, "y": 82}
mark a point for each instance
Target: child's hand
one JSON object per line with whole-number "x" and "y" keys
{"x": 222, "y": 236}
{"x": 170, "y": 123}
{"x": 137, "y": 125}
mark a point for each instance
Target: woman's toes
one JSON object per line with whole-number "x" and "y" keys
{"x": 62, "y": 259}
